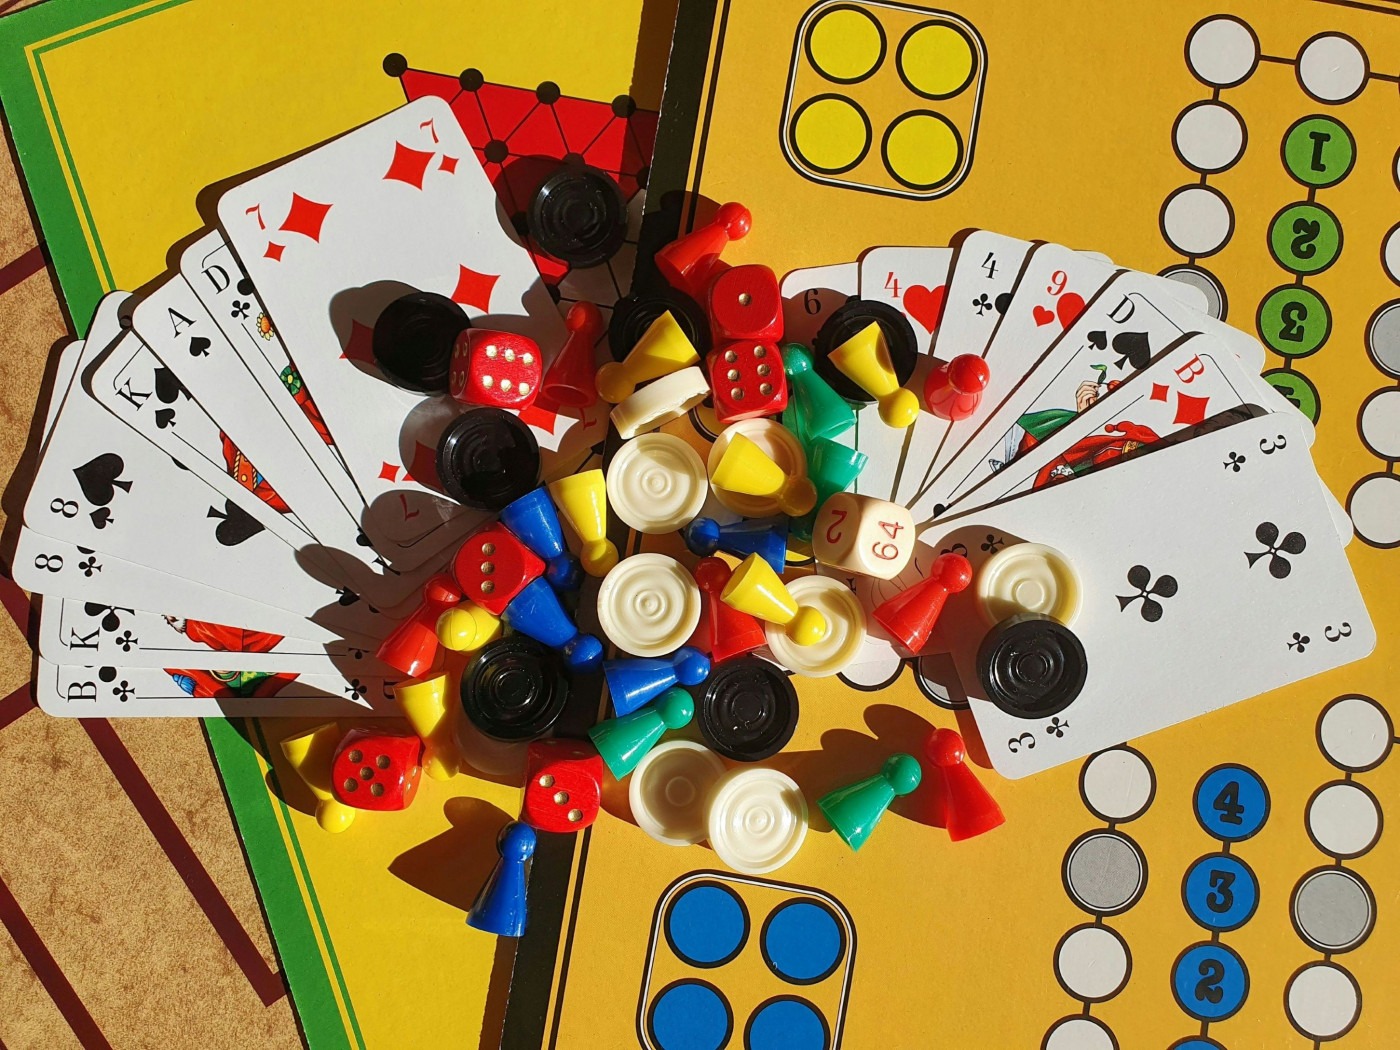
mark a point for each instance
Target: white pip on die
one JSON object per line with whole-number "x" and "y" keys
{"x": 864, "y": 535}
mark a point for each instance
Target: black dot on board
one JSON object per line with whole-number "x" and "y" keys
{"x": 623, "y": 106}
{"x": 107, "y": 674}
{"x": 548, "y": 92}
{"x": 496, "y": 151}
{"x": 471, "y": 79}
{"x": 245, "y": 287}
{"x": 395, "y": 64}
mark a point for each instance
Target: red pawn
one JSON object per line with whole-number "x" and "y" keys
{"x": 968, "y": 807}
{"x": 910, "y": 615}
{"x": 412, "y": 647}
{"x": 689, "y": 262}
{"x": 732, "y": 632}
{"x": 570, "y": 381}
{"x": 954, "y": 390}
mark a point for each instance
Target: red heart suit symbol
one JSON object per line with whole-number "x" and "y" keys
{"x": 1042, "y": 316}
{"x": 925, "y": 305}
{"x": 1070, "y": 306}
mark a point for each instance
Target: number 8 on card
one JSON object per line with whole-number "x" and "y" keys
{"x": 864, "y": 535}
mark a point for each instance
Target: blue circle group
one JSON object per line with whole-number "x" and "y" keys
{"x": 707, "y": 925}
{"x": 1221, "y": 892}
{"x": 690, "y": 1015}
{"x": 1231, "y": 803}
{"x": 1210, "y": 981}
{"x": 803, "y": 942}
{"x": 786, "y": 1023}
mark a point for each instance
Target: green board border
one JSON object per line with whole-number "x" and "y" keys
{"x": 83, "y": 278}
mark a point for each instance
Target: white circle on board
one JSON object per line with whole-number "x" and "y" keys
{"x": 1079, "y": 1033}
{"x": 1222, "y": 51}
{"x": 1092, "y": 963}
{"x": 1323, "y": 1000}
{"x": 1117, "y": 784}
{"x": 1374, "y": 507}
{"x": 1390, "y": 253}
{"x": 1344, "y": 819}
{"x": 1332, "y": 68}
{"x": 1380, "y": 423}
{"x": 1355, "y": 733}
{"x": 1197, "y": 221}
{"x": 1209, "y": 136}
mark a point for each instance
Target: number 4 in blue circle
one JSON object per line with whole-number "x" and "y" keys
{"x": 1231, "y": 803}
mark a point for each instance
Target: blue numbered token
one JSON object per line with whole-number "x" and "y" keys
{"x": 1210, "y": 981}
{"x": 1231, "y": 803}
{"x": 1220, "y": 892}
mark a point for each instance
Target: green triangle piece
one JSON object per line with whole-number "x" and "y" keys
{"x": 623, "y": 742}
{"x": 854, "y": 810}
{"x": 832, "y": 468}
{"x": 820, "y": 411}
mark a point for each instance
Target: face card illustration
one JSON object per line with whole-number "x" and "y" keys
{"x": 331, "y": 237}
{"x": 1223, "y": 580}
{"x": 71, "y": 691}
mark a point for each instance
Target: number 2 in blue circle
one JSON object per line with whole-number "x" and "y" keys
{"x": 1210, "y": 982}
{"x": 1231, "y": 803}
{"x": 1220, "y": 892}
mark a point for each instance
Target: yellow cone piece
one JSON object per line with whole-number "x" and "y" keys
{"x": 756, "y": 589}
{"x": 745, "y": 468}
{"x": 865, "y": 360}
{"x": 424, "y": 704}
{"x": 309, "y": 753}
{"x": 663, "y": 348}
{"x": 582, "y": 499}
{"x": 466, "y": 628}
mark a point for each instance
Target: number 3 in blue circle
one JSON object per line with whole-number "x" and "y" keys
{"x": 1220, "y": 892}
{"x": 1210, "y": 982}
{"x": 1231, "y": 803}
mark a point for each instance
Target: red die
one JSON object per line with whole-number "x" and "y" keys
{"x": 492, "y": 567}
{"x": 745, "y": 304}
{"x": 747, "y": 381}
{"x": 563, "y": 785}
{"x": 377, "y": 769}
{"x": 495, "y": 368}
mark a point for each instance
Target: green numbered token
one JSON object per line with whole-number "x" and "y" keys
{"x": 1294, "y": 321}
{"x": 1298, "y": 391}
{"x": 1305, "y": 238}
{"x": 1319, "y": 152}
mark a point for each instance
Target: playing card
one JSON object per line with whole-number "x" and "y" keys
{"x": 1221, "y": 581}
{"x": 72, "y": 631}
{"x": 70, "y": 691}
{"x": 331, "y": 237}
{"x": 200, "y": 360}
{"x": 101, "y": 486}
{"x": 1115, "y": 335}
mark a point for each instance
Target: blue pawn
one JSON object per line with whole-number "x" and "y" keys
{"x": 704, "y": 536}
{"x": 535, "y": 523}
{"x": 638, "y": 681}
{"x": 536, "y": 612}
{"x": 499, "y": 907}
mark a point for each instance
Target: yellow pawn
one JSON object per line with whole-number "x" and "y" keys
{"x": 309, "y": 754}
{"x": 582, "y": 499}
{"x": 424, "y": 704}
{"x": 746, "y": 468}
{"x": 663, "y": 348}
{"x": 755, "y": 588}
{"x": 865, "y": 360}
{"x": 466, "y": 628}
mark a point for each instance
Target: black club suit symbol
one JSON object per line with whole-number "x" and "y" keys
{"x": 123, "y": 690}
{"x": 1293, "y": 543}
{"x": 993, "y": 543}
{"x": 1057, "y": 727}
{"x": 240, "y": 310}
{"x": 1140, "y": 576}
{"x": 982, "y": 303}
{"x": 1235, "y": 462}
{"x": 90, "y": 565}
{"x": 356, "y": 690}
{"x": 126, "y": 640}
{"x": 1300, "y": 642}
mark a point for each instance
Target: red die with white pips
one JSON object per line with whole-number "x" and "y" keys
{"x": 501, "y": 369}
{"x": 492, "y": 567}
{"x": 377, "y": 769}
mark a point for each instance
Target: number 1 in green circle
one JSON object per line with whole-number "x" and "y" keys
{"x": 1294, "y": 321}
{"x": 1319, "y": 152}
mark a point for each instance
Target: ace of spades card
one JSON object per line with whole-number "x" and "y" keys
{"x": 1220, "y": 580}
{"x": 331, "y": 237}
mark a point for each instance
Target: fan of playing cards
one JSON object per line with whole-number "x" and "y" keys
{"x": 1138, "y": 530}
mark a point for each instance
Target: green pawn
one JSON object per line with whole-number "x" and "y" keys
{"x": 832, "y": 468}
{"x": 854, "y": 810}
{"x": 623, "y": 742}
{"x": 814, "y": 409}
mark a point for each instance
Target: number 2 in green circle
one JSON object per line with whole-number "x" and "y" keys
{"x": 1297, "y": 390}
{"x": 1305, "y": 238}
{"x": 1294, "y": 321}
